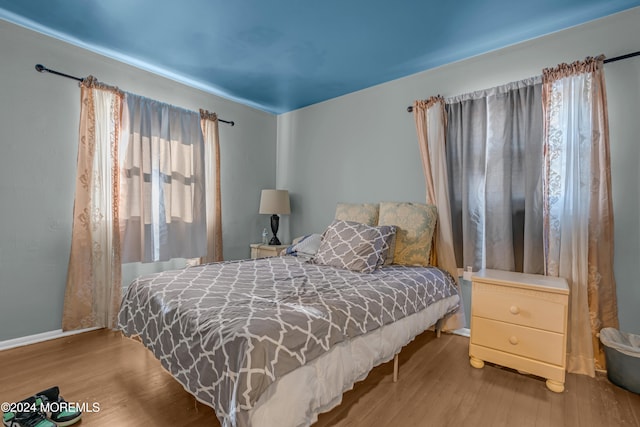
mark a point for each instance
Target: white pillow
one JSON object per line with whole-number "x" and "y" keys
{"x": 306, "y": 246}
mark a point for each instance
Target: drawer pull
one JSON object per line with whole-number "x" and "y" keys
{"x": 514, "y": 309}
{"x": 513, "y": 340}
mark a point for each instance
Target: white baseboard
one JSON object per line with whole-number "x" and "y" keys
{"x": 465, "y": 332}
{"x": 44, "y": 336}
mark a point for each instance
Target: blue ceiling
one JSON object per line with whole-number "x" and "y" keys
{"x": 281, "y": 55}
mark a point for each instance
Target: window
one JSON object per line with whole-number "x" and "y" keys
{"x": 494, "y": 161}
{"x": 162, "y": 196}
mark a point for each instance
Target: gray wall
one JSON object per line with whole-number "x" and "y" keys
{"x": 39, "y": 115}
{"x": 362, "y": 147}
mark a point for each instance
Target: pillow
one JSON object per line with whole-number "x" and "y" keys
{"x": 305, "y": 246}
{"x": 392, "y": 249}
{"x": 354, "y": 246}
{"x": 365, "y": 213}
{"x": 415, "y": 224}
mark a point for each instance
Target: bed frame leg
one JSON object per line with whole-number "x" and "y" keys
{"x": 395, "y": 368}
{"x": 438, "y": 328}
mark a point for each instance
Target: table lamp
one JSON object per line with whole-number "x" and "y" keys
{"x": 274, "y": 203}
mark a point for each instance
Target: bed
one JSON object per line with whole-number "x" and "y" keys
{"x": 276, "y": 341}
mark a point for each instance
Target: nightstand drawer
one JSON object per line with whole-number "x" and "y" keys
{"x": 520, "y": 306}
{"x": 531, "y": 343}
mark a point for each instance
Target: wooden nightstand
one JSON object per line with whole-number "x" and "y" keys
{"x": 520, "y": 321}
{"x": 258, "y": 250}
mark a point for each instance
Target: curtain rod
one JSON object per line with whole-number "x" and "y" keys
{"x": 606, "y": 61}
{"x": 621, "y": 57}
{"x": 42, "y": 69}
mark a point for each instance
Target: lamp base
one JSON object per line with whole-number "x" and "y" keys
{"x": 274, "y": 241}
{"x": 275, "y": 222}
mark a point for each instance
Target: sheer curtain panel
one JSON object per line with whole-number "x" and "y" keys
{"x": 494, "y": 159}
{"x": 430, "y": 118}
{"x": 162, "y": 211}
{"x": 93, "y": 289}
{"x": 578, "y": 227}
{"x": 209, "y": 123}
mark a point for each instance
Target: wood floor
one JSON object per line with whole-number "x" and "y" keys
{"x": 437, "y": 387}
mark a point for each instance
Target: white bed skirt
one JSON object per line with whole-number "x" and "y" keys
{"x": 297, "y": 398}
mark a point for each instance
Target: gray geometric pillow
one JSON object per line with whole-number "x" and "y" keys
{"x": 354, "y": 246}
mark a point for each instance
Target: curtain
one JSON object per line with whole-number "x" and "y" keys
{"x": 578, "y": 227}
{"x": 430, "y": 126}
{"x": 162, "y": 212}
{"x": 93, "y": 289}
{"x": 494, "y": 155}
{"x": 209, "y": 124}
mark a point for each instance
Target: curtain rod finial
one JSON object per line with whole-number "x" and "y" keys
{"x": 41, "y": 68}
{"x": 409, "y": 109}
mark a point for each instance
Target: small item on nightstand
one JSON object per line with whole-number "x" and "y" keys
{"x": 467, "y": 274}
{"x": 265, "y": 236}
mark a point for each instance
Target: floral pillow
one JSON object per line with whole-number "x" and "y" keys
{"x": 364, "y": 213}
{"x": 415, "y": 224}
{"x": 354, "y": 246}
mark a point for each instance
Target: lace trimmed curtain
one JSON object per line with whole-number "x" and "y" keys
{"x": 578, "y": 227}
{"x": 209, "y": 124}
{"x": 140, "y": 195}
{"x": 93, "y": 291}
{"x": 430, "y": 118}
{"x": 162, "y": 213}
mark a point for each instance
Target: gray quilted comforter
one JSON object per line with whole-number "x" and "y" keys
{"x": 226, "y": 331}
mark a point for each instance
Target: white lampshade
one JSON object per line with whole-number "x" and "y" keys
{"x": 275, "y": 202}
